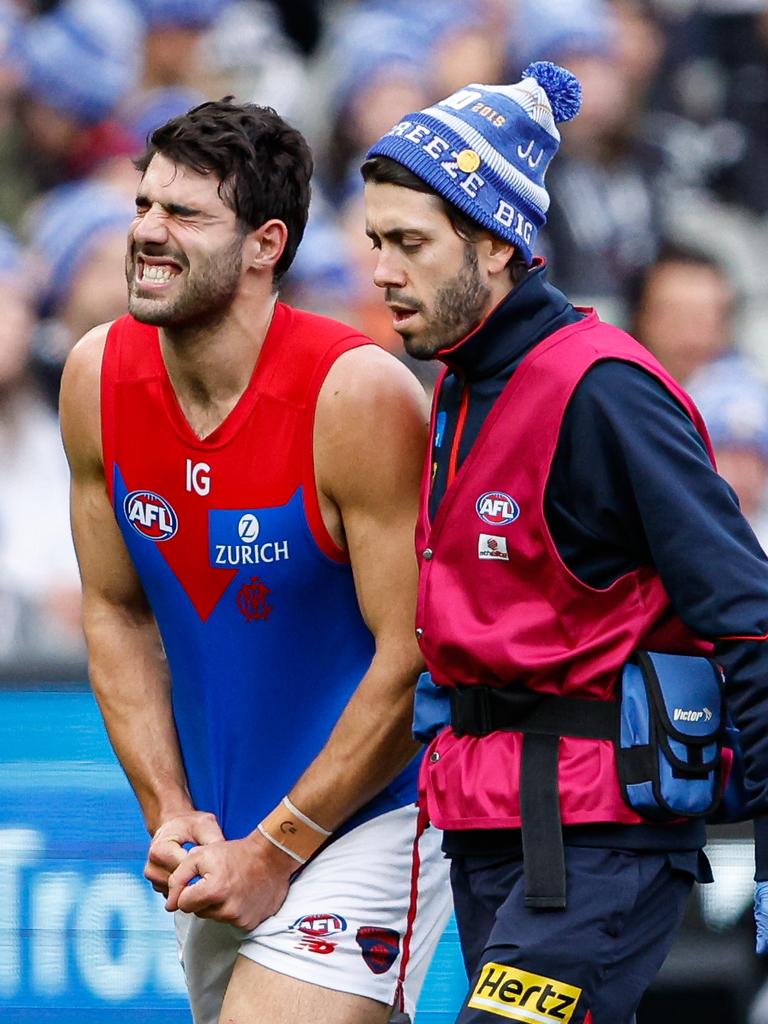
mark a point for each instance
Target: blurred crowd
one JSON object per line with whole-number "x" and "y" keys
{"x": 659, "y": 212}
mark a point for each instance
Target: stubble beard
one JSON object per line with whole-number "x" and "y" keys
{"x": 205, "y": 298}
{"x": 459, "y": 306}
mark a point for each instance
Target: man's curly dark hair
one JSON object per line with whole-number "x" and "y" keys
{"x": 263, "y": 164}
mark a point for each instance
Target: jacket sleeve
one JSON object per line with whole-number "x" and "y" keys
{"x": 632, "y": 478}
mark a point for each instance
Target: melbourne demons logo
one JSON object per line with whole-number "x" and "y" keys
{"x": 497, "y": 508}
{"x": 379, "y": 946}
{"x": 150, "y": 515}
{"x": 252, "y": 600}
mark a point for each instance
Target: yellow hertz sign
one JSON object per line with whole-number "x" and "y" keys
{"x": 518, "y": 995}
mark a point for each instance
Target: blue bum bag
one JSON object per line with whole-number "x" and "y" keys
{"x": 671, "y": 733}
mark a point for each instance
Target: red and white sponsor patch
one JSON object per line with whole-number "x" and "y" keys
{"x": 492, "y": 548}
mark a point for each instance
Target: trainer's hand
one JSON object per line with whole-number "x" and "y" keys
{"x": 761, "y": 917}
{"x": 242, "y": 881}
{"x": 166, "y": 851}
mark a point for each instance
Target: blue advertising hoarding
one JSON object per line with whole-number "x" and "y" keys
{"x": 83, "y": 938}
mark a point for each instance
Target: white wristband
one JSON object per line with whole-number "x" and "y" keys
{"x": 302, "y": 817}
{"x": 279, "y": 845}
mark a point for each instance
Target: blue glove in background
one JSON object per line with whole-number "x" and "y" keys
{"x": 761, "y": 918}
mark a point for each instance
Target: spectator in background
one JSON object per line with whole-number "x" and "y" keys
{"x": 246, "y": 52}
{"x": 78, "y": 238}
{"x": 384, "y": 57}
{"x": 76, "y": 65}
{"x": 683, "y": 309}
{"x": 376, "y": 69}
{"x": 321, "y": 278}
{"x": 734, "y": 404}
{"x": 605, "y": 216}
{"x": 465, "y": 42}
{"x": 173, "y": 30}
{"x": 726, "y": 80}
{"x": 39, "y": 585}
{"x": 149, "y": 109}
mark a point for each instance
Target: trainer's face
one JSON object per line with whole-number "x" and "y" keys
{"x": 433, "y": 281}
{"x": 184, "y": 262}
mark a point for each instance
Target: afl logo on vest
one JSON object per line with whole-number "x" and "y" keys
{"x": 497, "y": 508}
{"x": 150, "y": 515}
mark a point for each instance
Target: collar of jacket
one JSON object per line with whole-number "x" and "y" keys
{"x": 528, "y": 313}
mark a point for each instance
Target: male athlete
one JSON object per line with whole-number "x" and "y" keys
{"x": 244, "y": 481}
{"x": 571, "y": 517}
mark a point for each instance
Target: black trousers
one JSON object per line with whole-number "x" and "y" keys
{"x": 589, "y": 963}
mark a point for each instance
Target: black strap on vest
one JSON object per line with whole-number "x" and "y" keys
{"x": 543, "y": 719}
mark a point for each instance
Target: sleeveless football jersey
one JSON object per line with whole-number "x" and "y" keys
{"x": 255, "y": 603}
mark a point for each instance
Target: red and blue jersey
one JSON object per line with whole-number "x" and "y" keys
{"x": 255, "y": 602}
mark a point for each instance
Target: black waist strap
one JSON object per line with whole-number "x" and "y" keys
{"x": 478, "y": 710}
{"x": 543, "y": 718}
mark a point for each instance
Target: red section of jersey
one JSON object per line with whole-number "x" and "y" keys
{"x": 256, "y": 458}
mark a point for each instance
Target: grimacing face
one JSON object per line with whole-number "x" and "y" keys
{"x": 184, "y": 261}
{"x": 433, "y": 281}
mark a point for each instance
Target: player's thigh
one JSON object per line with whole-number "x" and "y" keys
{"x": 207, "y": 951}
{"x": 256, "y": 995}
{"x": 364, "y": 916}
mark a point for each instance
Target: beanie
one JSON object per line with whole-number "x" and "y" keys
{"x": 76, "y": 59}
{"x": 486, "y": 148}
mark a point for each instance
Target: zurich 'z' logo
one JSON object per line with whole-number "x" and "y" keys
{"x": 497, "y": 508}
{"x": 150, "y": 515}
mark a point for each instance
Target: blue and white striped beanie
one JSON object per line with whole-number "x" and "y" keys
{"x": 486, "y": 149}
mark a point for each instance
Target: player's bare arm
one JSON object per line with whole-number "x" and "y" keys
{"x": 128, "y": 671}
{"x": 370, "y": 437}
{"x": 370, "y": 440}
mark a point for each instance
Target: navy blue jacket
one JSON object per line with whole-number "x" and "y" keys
{"x": 631, "y": 484}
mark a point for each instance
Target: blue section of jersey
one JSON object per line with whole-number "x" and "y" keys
{"x": 259, "y": 685}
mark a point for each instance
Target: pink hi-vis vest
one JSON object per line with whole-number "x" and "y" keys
{"x": 497, "y": 605}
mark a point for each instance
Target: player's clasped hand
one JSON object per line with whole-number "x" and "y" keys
{"x": 242, "y": 881}
{"x": 167, "y": 849}
{"x": 761, "y": 918}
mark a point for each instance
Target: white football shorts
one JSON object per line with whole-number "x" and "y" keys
{"x": 364, "y": 916}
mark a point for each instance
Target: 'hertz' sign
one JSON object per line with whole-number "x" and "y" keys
{"x": 518, "y": 995}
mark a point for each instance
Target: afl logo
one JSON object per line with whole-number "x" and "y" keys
{"x": 497, "y": 508}
{"x": 150, "y": 515}
{"x": 320, "y": 924}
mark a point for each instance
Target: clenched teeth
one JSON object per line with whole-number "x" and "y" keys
{"x": 157, "y": 273}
